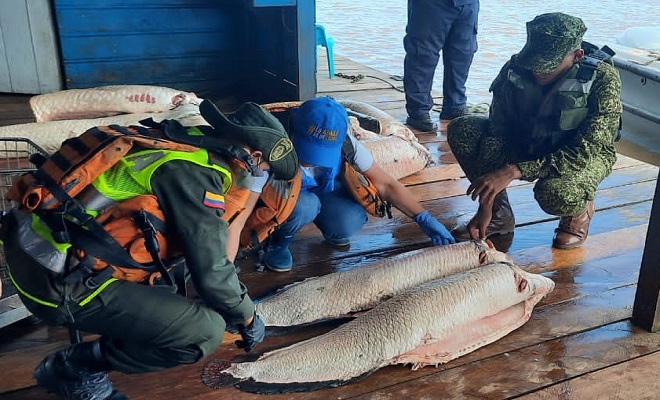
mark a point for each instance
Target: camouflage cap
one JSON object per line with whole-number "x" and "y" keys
{"x": 550, "y": 37}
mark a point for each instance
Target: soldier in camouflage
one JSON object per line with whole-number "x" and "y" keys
{"x": 553, "y": 119}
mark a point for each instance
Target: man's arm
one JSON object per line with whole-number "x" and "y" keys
{"x": 181, "y": 188}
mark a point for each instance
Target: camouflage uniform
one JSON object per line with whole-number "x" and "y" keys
{"x": 568, "y": 164}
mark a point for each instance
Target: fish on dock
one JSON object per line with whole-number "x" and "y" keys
{"x": 50, "y": 135}
{"x": 397, "y": 155}
{"x": 105, "y": 101}
{"x": 342, "y": 293}
{"x": 429, "y": 324}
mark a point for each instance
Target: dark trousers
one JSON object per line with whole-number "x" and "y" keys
{"x": 143, "y": 328}
{"x": 434, "y": 26}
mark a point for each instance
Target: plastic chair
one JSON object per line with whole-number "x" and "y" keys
{"x": 325, "y": 40}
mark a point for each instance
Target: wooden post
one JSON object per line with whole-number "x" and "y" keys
{"x": 646, "y": 312}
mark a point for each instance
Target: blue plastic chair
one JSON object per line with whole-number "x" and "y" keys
{"x": 325, "y": 40}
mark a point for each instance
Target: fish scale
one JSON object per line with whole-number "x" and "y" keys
{"x": 106, "y": 101}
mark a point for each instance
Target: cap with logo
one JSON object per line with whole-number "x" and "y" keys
{"x": 255, "y": 127}
{"x": 319, "y": 128}
{"x": 550, "y": 37}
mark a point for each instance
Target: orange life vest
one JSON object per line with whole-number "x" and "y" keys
{"x": 129, "y": 235}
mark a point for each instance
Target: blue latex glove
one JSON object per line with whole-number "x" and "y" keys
{"x": 434, "y": 229}
{"x": 252, "y": 334}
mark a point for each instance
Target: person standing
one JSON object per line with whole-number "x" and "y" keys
{"x": 449, "y": 26}
{"x": 554, "y": 119}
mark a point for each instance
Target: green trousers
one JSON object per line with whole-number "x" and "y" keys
{"x": 479, "y": 153}
{"x": 143, "y": 328}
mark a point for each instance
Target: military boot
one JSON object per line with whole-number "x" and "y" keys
{"x": 501, "y": 223}
{"x": 423, "y": 123}
{"x": 573, "y": 230}
{"x": 76, "y": 373}
{"x": 278, "y": 257}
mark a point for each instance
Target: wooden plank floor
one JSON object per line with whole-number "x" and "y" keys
{"x": 579, "y": 343}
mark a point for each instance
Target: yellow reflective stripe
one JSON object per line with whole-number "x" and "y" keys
{"x": 29, "y": 296}
{"x": 85, "y": 301}
{"x": 97, "y": 291}
{"x": 40, "y": 228}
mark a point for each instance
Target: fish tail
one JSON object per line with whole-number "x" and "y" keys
{"x": 213, "y": 374}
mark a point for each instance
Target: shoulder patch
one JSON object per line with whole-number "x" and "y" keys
{"x": 214, "y": 200}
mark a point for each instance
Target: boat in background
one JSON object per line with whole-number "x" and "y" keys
{"x": 638, "y": 61}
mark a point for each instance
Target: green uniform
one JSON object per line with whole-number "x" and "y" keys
{"x": 149, "y": 328}
{"x": 561, "y": 135}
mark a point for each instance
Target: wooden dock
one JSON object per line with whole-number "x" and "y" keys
{"x": 579, "y": 344}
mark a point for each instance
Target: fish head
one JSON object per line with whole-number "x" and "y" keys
{"x": 536, "y": 285}
{"x": 184, "y": 98}
{"x": 489, "y": 254}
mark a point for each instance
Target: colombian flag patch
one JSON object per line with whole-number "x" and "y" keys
{"x": 214, "y": 200}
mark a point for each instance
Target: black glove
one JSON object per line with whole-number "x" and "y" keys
{"x": 252, "y": 334}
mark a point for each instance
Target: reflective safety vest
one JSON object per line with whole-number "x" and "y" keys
{"x": 90, "y": 205}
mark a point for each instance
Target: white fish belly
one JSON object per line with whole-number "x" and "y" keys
{"x": 397, "y": 156}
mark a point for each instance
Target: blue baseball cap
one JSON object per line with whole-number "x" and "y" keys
{"x": 319, "y": 128}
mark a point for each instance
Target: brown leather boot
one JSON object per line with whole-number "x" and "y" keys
{"x": 573, "y": 230}
{"x": 503, "y": 221}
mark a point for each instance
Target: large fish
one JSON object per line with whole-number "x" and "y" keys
{"x": 105, "y": 101}
{"x": 340, "y": 293}
{"x": 397, "y": 155}
{"x": 50, "y": 135}
{"x": 388, "y": 124}
{"x": 428, "y": 325}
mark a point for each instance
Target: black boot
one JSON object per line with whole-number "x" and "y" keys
{"x": 503, "y": 221}
{"x": 77, "y": 372}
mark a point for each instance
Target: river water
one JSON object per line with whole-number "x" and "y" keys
{"x": 371, "y": 32}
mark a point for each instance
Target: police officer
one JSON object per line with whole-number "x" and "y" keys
{"x": 449, "y": 26}
{"x": 553, "y": 119}
{"x": 143, "y": 327}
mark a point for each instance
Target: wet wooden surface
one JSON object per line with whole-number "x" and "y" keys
{"x": 578, "y": 344}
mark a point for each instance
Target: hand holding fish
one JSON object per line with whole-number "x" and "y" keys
{"x": 479, "y": 223}
{"x": 434, "y": 229}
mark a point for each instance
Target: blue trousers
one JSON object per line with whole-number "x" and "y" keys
{"x": 434, "y": 26}
{"x": 335, "y": 213}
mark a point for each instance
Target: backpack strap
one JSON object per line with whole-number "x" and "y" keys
{"x": 593, "y": 56}
{"x": 87, "y": 234}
